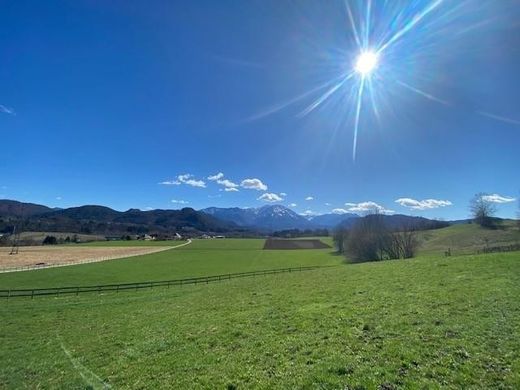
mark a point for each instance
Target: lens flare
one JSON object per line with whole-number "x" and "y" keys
{"x": 366, "y": 63}
{"x": 393, "y": 45}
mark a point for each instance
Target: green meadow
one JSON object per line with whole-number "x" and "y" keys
{"x": 429, "y": 322}
{"x": 200, "y": 258}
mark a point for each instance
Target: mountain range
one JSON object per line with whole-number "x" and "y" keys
{"x": 270, "y": 217}
{"x": 104, "y": 220}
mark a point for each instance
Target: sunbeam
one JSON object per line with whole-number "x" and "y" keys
{"x": 499, "y": 118}
{"x": 415, "y": 20}
{"x": 422, "y": 93}
{"x": 356, "y": 118}
{"x": 325, "y": 96}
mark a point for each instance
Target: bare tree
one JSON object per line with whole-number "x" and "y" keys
{"x": 408, "y": 241}
{"x": 482, "y": 210}
{"x": 370, "y": 239}
{"x": 339, "y": 236}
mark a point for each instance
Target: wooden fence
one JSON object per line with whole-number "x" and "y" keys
{"x": 76, "y": 290}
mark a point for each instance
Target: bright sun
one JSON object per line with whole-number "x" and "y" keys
{"x": 366, "y": 62}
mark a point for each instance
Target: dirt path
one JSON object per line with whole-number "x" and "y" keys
{"x": 37, "y": 257}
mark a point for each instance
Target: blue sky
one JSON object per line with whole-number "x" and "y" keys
{"x": 100, "y": 102}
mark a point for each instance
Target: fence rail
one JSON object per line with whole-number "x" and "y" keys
{"x": 76, "y": 290}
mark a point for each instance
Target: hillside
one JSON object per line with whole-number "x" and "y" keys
{"x": 13, "y": 208}
{"x": 467, "y": 238}
{"x": 92, "y": 219}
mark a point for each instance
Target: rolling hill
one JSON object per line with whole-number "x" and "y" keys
{"x": 104, "y": 220}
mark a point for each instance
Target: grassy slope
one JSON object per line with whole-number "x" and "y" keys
{"x": 422, "y": 323}
{"x": 200, "y": 258}
{"x": 467, "y": 239}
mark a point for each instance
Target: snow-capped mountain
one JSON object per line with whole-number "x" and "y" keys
{"x": 270, "y": 217}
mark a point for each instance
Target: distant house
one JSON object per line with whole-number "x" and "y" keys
{"x": 146, "y": 237}
{"x": 220, "y": 237}
{"x": 177, "y": 236}
{"x": 205, "y": 236}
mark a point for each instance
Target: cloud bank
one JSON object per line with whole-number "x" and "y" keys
{"x": 495, "y": 198}
{"x": 424, "y": 204}
{"x": 367, "y": 207}
{"x": 179, "y": 201}
{"x": 187, "y": 179}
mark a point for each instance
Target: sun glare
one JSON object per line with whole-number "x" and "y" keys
{"x": 366, "y": 62}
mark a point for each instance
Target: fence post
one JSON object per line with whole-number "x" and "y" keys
{"x": 77, "y": 291}
{"x": 32, "y": 294}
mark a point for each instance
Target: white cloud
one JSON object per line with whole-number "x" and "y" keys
{"x": 327, "y": 204}
{"x": 253, "y": 184}
{"x": 422, "y": 204}
{"x": 368, "y": 206}
{"x": 293, "y": 205}
{"x": 195, "y": 183}
{"x": 231, "y": 189}
{"x": 269, "y": 197}
{"x": 339, "y": 211}
{"x": 309, "y": 198}
{"x": 227, "y": 183}
{"x": 188, "y": 180}
{"x": 180, "y": 201}
{"x": 495, "y": 198}
{"x": 216, "y": 177}
{"x": 283, "y": 194}
{"x": 148, "y": 208}
{"x": 184, "y": 179}
{"x": 170, "y": 183}
{"x": 309, "y": 213}
{"x": 7, "y": 110}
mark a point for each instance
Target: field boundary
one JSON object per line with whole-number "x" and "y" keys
{"x": 88, "y": 261}
{"x": 76, "y": 290}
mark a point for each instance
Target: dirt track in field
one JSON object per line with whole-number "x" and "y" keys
{"x": 30, "y": 256}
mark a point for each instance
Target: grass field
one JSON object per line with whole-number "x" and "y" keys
{"x": 200, "y": 258}
{"x": 425, "y": 323}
